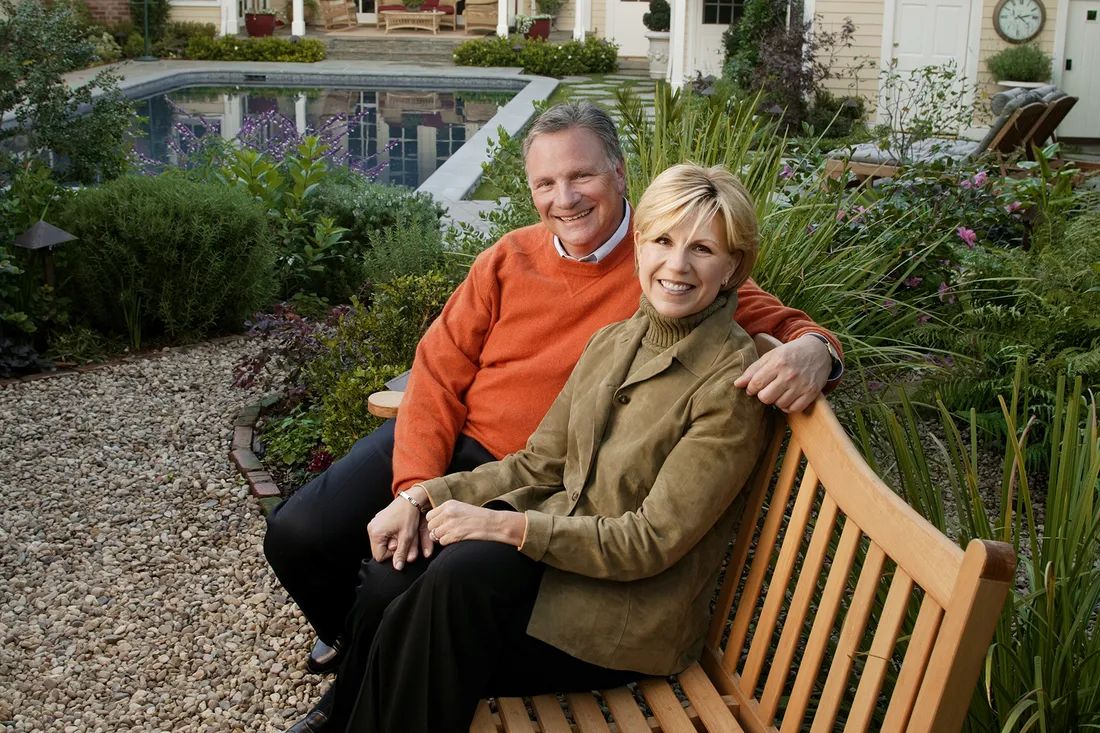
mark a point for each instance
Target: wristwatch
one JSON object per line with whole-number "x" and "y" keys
{"x": 838, "y": 366}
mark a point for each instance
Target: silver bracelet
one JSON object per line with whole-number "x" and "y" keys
{"x": 408, "y": 497}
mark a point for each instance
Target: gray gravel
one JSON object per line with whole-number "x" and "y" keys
{"x": 134, "y": 595}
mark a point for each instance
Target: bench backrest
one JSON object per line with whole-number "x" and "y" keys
{"x": 833, "y": 582}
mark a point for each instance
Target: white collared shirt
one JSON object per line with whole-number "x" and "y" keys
{"x": 607, "y": 247}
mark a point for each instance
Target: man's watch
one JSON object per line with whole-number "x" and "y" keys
{"x": 838, "y": 366}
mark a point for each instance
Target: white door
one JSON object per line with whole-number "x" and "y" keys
{"x": 931, "y": 33}
{"x": 624, "y": 21}
{"x": 708, "y": 21}
{"x": 1081, "y": 72}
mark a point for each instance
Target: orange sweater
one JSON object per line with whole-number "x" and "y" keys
{"x": 508, "y": 338}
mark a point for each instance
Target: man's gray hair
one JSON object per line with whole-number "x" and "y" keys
{"x": 584, "y": 115}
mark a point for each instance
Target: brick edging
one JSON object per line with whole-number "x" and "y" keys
{"x": 240, "y": 452}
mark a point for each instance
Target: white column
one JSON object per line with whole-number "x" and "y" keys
{"x": 231, "y": 116}
{"x": 426, "y": 137}
{"x": 502, "y": 18}
{"x": 300, "y": 111}
{"x": 298, "y": 23}
{"x": 580, "y": 10}
{"x": 230, "y": 21}
{"x": 677, "y": 49}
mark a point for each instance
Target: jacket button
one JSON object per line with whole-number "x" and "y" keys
{"x": 575, "y": 495}
{"x": 623, "y": 399}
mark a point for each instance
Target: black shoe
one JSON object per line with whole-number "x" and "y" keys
{"x": 324, "y": 658}
{"x": 314, "y": 722}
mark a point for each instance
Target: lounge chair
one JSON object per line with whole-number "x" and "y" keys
{"x": 1046, "y": 125}
{"x": 480, "y": 15}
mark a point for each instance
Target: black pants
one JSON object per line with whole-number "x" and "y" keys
{"x": 317, "y": 539}
{"x": 429, "y": 641}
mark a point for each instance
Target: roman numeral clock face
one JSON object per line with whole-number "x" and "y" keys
{"x": 1019, "y": 21}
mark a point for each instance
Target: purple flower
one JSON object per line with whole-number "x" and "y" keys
{"x": 968, "y": 236}
{"x": 840, "y": 214}
{"x": 912, "y": 282}
{"x": 888, "y": 304}
{"x": 965, "y": 183}
{"x": 811, "y": 228}
{"x": 787, "y": 171}
{"x": 924, "y": 319}
{"x": 1013, "y": 207}
{"x": 945, "y": 294}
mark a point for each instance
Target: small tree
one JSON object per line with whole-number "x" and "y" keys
{"x": 38, "y": 44}
{"x": 659, "y": 17}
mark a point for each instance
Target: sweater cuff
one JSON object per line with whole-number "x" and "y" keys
{"x": 438, "y": 491}
{"x": 837, "y": 369}
{"x": 537, "y": 540}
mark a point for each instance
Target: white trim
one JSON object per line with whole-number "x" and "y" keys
{"x": 195, "y": 3}
{"x": 808, "y": 9}
{"x": 1061, "y": 30}
{"x": 889, "y": 18}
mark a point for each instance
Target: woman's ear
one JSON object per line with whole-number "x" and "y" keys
{"x": 735, "y": 265}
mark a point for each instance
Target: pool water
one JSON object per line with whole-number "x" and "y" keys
{"x": 404, "y": 135}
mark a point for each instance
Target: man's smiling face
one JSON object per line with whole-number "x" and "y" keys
{"x": 577, "y": 191}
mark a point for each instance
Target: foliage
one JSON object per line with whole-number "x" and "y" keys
{"x": 837, "y": 117}
{"x": 549, "y": 7}
{"x": 1043, "y": 669}
{"x": 1020, "y": 63}
{"x": 366, "y": 208}
{"x": 659, "y": 17}
{"x": 105, "y": 47}
{"x": 271, "y": 48}
{"x": 38, "y": 44}
{"x": 159, "y": 10}
{"x": 78, "y": 345}
{"x": 16, "y": 358}
{"x": 921, "y": 104}
{"x": 173, "y": 42}
{"x": 166, "y": 255}
{"x": 541, "y": 57}
{"x": 524, "y": 23}
{"x": 294, "y": 439}
{"x": 134, "y": 46}
{"x": 409, "y": 248}
{"x": 742, "y": 39}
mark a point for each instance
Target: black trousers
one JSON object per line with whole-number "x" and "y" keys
{"x": 428, "y": 642}
{"x": 317, "y": 539}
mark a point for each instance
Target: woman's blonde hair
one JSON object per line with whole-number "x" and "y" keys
{"x": 687, "y": 192}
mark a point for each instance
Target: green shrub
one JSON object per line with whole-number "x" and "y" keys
{"x": 1020, "y": 63}
{"x": 369, "y": 347}
{"x": 106, "y": 48}
{"x": 366, "y": 208}
{"x": 659, "y": 17}
{"x": 173, "y": 43}
{"x": 134, "y": 46}
{"x": 408, "y": 248}
{"x": 272, "y": 48}
{"x": 166, "y": 255}
{"x": 159, "y": 10}
{"x": 541, "y": 57}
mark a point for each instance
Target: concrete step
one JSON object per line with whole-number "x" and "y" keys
{"x": 435, "y": 48}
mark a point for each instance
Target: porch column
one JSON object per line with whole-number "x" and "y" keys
{"x": 298, "y": 23}
{"x": 230, "y": 21}
{"x": 581, "y": 12}
{"x": 300, "y": 111}
{"x": 231, "y": 116}
{"x": 677, "y": 49}
{"x": 502, "y": 18}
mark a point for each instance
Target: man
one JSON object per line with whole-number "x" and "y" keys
{"x": 488, "y": 369}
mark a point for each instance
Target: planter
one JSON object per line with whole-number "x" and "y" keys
{"x": 1022, "y": 84}
{"x": 540, "y": 28}
{"x": 658, "y": 54}
{"x": 259, "y": 24}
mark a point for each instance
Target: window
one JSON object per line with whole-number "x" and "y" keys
{"x": 722, "y": 12}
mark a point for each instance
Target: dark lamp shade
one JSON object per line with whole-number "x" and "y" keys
{"x": 42, "y": 235}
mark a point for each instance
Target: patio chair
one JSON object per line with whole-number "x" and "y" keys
{"x": 1044, "y": 128}
{"x": 480, "y": 15}
{"x": 338, "y": 14}
{"x": 1018, "y": 113}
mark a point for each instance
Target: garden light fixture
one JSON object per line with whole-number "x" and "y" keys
{"x": 44, "y": 236}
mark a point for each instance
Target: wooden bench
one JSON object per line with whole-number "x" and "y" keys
{"x": 829, "y": 570}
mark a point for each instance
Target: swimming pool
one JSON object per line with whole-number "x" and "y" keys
{"x": 410, "y": 132}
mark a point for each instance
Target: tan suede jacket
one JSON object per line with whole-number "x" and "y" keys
{"x": 631, "y": 489}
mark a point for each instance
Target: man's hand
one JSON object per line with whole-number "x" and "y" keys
{"x": 790, "y": 376}
{"x": 395, "y": 532}
{"x": 454, "y": 521}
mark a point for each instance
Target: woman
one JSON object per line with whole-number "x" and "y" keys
{"x": 620, "y": 506}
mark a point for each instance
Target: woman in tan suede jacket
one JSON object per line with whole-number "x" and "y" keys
{"x": 621, "y": 505}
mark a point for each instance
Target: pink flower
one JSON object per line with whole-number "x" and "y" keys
{"x": 1013, "y": 207}
{"x": 979, "y": 179}
{"x": 811, "y": 228}
{"x": 968, "y": 236}
{"x": 888, "y": 304}
{"x": 945, "y": 294}
{"x": 840, "y": 214}
{"x": 965, "y": 183}
{"x": 924, "y": 319}
{"x": 787, "y": 171}
{"x": 912, "y": 282}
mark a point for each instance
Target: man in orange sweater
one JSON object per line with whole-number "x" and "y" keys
{"x": 488, "y": 369}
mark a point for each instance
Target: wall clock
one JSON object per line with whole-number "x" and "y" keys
{"x": 1019, "y": 21}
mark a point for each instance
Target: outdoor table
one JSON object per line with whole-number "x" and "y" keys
{"x": 427, "y": 19}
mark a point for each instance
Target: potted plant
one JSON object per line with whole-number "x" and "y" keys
{"x": 1020, "y": 66}
{"x": 412, "y": 5}
{"x": 260, "y": 22}
{"x": 658, "y": 20}
{"x": 549, "y": 7}
{"x": 534, "y": 26}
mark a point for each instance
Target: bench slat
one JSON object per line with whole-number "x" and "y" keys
{"x": 769, "y": 533}
{"x": 780, "y": 580}
{"x": 855, "y": 622}
{"x": 665, "y": 706}
{"x": 586, "y": 713}
{"x": 810, "y": 664}
{"x": 549, "y": 713}
{"x": 913, "y": 667}
{"x": 809, "y": 572}
{"x": 707, "y": 702}
{"x": 513, "y": 713}
{"x": 882, "y": 648}
{"x": 736, "y": 565}
{"x": 483, "y": 719}
{"x": 624, "y": 709}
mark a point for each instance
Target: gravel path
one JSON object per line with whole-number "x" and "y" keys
{"x": 134, "y": 595}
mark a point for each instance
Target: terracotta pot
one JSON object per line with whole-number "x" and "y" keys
{"x": 540, "y": 28}
{"x": 259, "y": 24}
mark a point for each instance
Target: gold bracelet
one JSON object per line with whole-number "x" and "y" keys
{"x": 408, "y": 497}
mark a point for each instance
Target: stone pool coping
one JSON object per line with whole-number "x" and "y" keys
{"x": 451, "y": 182}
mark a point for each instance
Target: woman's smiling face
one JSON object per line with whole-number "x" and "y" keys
{"x": 683, "y": 269}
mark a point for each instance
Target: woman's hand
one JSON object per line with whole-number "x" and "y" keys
{"x": 395, "y": 532}
{"x": 454, "y": 521}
